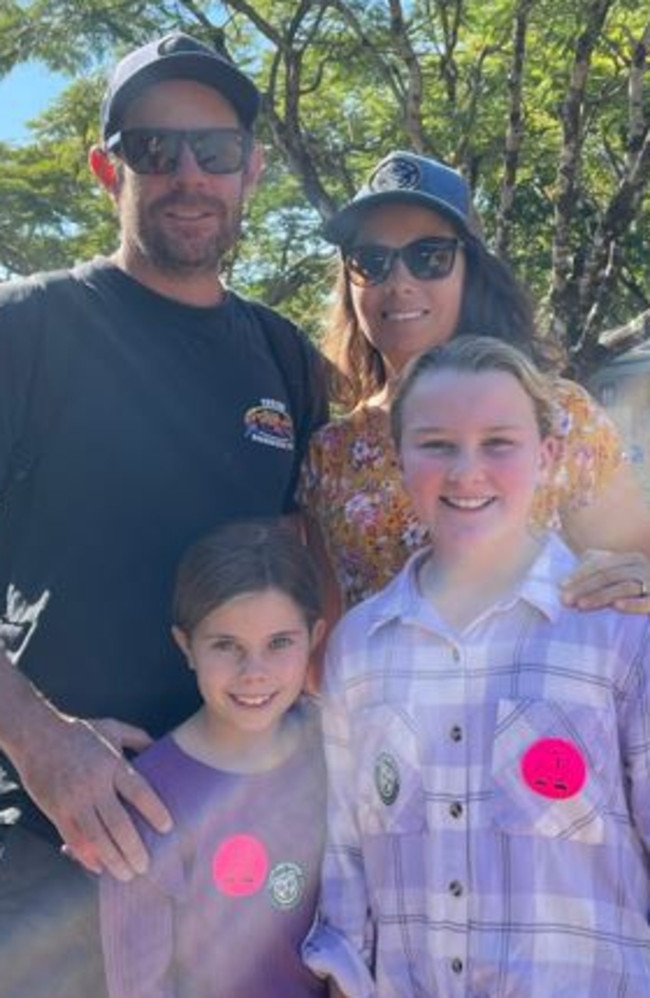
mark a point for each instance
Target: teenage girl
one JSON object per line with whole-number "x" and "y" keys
{"x": 488, "y": 747}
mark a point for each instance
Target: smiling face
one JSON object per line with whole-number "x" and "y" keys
{"x": 472, "y": 456}
{"x": 250, "y": 656}
{"x": 404, "y": 315}
{"x": 180, "y": 224}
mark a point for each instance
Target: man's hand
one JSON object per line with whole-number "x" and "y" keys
{"x": 78, "y": 776}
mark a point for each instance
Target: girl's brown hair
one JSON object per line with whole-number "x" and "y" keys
{"x": 245, "y": 557}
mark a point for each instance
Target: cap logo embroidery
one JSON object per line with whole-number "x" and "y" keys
{"x": 387, "y": 779}
{"x": 399, "y": 174}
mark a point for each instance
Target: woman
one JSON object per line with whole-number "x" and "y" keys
{"x": 414, "y": 272}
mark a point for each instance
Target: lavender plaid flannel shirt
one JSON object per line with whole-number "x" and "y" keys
{"x": 489, "y": 813}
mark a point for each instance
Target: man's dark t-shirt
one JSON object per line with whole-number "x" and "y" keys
{"x": 176, "y": 418}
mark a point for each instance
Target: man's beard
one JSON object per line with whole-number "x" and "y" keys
{"x": 173, "y": 255}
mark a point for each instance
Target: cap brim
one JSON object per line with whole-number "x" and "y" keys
{"x": 219, "y": 75}
{"x": 341, "y": 228}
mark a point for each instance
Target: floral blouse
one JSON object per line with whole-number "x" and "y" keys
{"x": 351, "y": 485}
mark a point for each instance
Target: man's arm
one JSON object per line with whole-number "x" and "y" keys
{"x": 76, "y": 773}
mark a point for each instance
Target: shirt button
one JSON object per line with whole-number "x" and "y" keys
{"x": 456, "y": 888}
{"x": 456, "y": 809}
{"x": 457, "y": 965}
{"x": 456, "y": 733}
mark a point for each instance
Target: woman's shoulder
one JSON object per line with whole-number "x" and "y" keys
{"x": 574, "y": 397}
{"x": 362, "y": 421}
{"x": 577, "y": 410}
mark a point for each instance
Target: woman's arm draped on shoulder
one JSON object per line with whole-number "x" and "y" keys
{"x": 599, "y": 497}
{"x": 603, "y": 512}
{"x": 618, "y": 519}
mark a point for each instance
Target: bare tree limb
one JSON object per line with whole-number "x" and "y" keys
{"x": 515, "y": 130}
{"x": 413, "y": 90}
{"x": 601, "y": 269}
{"x": 563, "y": 291}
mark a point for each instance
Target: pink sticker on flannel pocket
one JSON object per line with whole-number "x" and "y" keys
{"x": 554, "y": 767}
{"x": 240, "y": 866}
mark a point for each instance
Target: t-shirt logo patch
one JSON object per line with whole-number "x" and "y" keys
{"x": 286, "y": 885}
{"x": 269, "y": 423}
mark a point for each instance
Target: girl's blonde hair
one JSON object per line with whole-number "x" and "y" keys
{"x": 473, "y": 354}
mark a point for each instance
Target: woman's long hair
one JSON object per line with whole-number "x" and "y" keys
{"x": 494, "y": 303}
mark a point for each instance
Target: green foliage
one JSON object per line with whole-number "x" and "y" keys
{"x": 345, "y": 82}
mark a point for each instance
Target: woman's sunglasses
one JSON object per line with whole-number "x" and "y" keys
{"x": 428, "y": 259}
{"x": 158, "y": 150}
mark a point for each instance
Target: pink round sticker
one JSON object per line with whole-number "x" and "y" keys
{"x": 554, "y": 767}
{"x": 240, "y": 865}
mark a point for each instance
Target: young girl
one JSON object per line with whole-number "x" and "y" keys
{"x": 488, "y": 748}
{"x": 231, "y": 891}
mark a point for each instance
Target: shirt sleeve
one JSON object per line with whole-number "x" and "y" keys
{"x": 341, "y": 942}
{"x": 318, "y": 381}
{"x": 19, "y": 340}
{"x": 591, "y": 449}
{"x": 634, "y": 732}
{"x": 136, "y": 931}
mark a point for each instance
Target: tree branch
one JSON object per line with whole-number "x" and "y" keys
{"x": 563, "y": 291}
{"x": 515, "y": 130}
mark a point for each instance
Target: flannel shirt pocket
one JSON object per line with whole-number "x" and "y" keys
{"x": 553, "y": 769}
{"x": 390, "y": 792}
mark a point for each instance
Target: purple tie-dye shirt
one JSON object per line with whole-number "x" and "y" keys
{"x": 231, "y": 891}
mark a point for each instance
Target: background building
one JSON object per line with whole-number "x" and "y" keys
{"x": 622, "y": 386}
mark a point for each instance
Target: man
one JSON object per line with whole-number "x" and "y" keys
{"x": 181, "y": 405}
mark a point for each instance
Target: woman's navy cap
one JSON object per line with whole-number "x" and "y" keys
{"x": 177, "y": 56}
{"x": 407, "y": 177}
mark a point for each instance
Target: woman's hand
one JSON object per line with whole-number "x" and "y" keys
{"x": 609, "y": 578}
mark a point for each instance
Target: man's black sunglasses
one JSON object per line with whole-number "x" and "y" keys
{"x": 428, "y": 259}
{"x": 158, "y": 150}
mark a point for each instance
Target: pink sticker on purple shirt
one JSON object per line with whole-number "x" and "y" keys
{"x": 554, "y": 767}
{"x": 240, "y": 866}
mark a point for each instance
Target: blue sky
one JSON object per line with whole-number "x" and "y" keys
{"x": 24, "y": 93}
